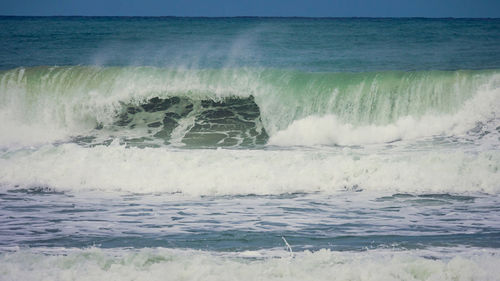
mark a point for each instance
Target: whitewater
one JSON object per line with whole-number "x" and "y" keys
{"x": 273, "y": 149}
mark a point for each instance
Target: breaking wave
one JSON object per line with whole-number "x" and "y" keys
{"x": 147, "y": 106}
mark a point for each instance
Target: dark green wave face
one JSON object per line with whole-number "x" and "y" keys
{"x": 195, "y": 123}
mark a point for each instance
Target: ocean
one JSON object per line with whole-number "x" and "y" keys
{"x": 164, "y": 148}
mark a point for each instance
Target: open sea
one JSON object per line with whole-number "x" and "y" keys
{"x": 249, "y": 148}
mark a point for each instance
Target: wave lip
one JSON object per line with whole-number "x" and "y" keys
{"x": 482, "y": 108}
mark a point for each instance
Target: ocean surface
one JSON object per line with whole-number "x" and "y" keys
{"x": 249, "y": 149}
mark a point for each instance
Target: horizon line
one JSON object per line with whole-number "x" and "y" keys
{"x": 264, "y": 17}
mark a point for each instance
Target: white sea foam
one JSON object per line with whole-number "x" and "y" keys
{"x": 171, "y": 264}
{"x": 224, "y": 171}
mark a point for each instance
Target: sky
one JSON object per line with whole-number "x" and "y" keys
{"x": 214, "y": 8}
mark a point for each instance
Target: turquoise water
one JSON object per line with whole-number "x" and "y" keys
{"x": 249, "y": 148}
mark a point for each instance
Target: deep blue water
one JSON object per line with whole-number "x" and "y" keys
{"x": 329, "y": 44}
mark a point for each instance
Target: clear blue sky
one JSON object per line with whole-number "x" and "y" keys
{"x": 311, "y": 8}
